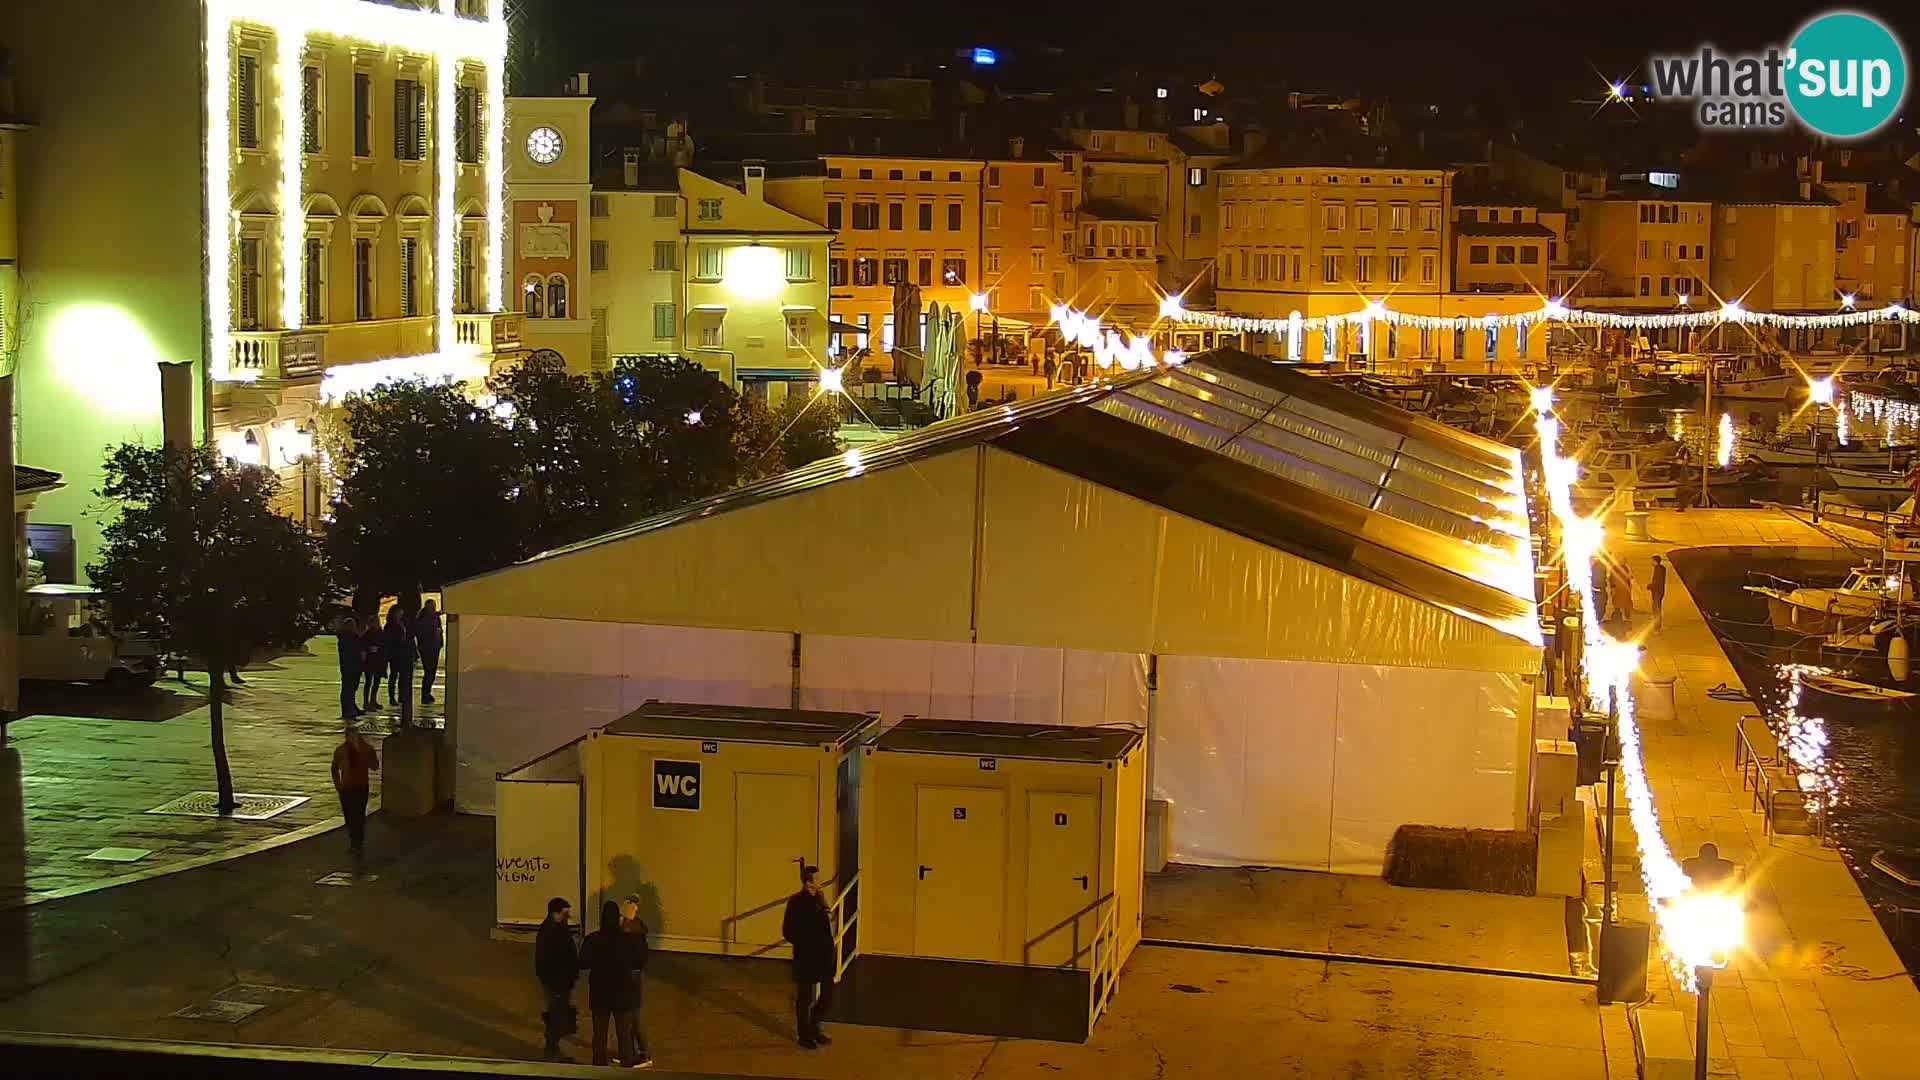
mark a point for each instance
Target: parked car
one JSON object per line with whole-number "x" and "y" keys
{"x": 65, "y": 637}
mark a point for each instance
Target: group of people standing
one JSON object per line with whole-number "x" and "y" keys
{"x": 1613, "y": 590}
{"x": 615, "y": 955}
{"x": 369, "y": 651}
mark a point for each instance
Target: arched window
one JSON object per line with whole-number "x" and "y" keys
{"x": 536, "y": 298}
{"x": 557, "y": 296}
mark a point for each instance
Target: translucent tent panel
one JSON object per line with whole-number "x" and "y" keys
{"x": 1227, "y": 418}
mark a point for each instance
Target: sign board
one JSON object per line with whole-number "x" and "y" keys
{"x": 536, "y": 848}
{"x": 676, "y": 784}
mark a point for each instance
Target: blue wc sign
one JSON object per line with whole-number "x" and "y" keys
{"x": 676, "y": 784}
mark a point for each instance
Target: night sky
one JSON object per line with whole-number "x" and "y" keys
{"x": 1439, "y": 50}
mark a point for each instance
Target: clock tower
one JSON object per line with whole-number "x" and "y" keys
{"x": 550, "y": 219}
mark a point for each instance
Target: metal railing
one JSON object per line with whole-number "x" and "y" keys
{"x": 1772, "y": 780}
{"x": 843, "y": 921}
{"x": 1102, "y": 974}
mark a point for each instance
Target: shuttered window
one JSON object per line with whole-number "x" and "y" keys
{"x": 362, "y": 114}
{"x": 313, "y": 282}
{"x": 409, "y": 120}
{"x": 363, "y": 279}
{"x": 409, "y": 263}
{"x": 466, "y": 123}
{"x": 246, "y": 106}
{"x": 249, "y": 283}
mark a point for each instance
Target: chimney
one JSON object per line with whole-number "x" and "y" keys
{"x": 580, "y": 83}
{"x": 756, "y": 182}
{"x": 1016, "y": 147}
{"x": 1819, "y": 171}
{"x": 630, "y": 168}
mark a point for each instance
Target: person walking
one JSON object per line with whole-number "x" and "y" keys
{"x": 428, "y": 636}
{"x": 373, "y": 659}
{"x": 609, "y": 959}
{"x": 636, "y": 930}
{"x": 1657, "y": 589}
{"x": 809, "y": 929}
{"x": 1599, "y": 571}
{"x": 354, "y": 760}
{"x": 556, "y": 963}
{"x": 1620, "y": 593}
{"x": 347, "y": 633}
{"x": 1048, "y": 369}
{"x": 399, "y": 647}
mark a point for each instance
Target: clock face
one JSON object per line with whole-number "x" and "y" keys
{"x": 543, "y": 145}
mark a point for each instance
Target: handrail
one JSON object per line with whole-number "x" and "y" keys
{"x": 1100, "y": 973}
{"x": 1763, "y": 773}
{"x": 842, "y": 923}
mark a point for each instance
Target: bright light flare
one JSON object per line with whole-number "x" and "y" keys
{"x": 1723, "y": 446}
{"x": 1541, "y": 398}
{"x": 1702, "y": 929}
{"x": 832, "y": 381}
{"x": 754, "y": 271}
{"x": 1820, "y": 391}
{"x": 977, "y": 301}
{"x": 1170, "y": 307}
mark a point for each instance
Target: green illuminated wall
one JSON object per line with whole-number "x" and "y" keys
{"x": 111, "y": 276}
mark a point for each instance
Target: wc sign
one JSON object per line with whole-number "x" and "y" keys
{"x": 676, "y": 785}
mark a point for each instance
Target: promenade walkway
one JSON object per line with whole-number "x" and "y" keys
{"x": 1819, "y": 993}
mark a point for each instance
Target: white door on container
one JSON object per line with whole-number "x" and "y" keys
{"x": 959, "y": 895}
{"x": 1063, "y": 878}
{"x": 775, "y": 827}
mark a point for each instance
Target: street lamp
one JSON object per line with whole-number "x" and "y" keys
{"x": 979, "y": 303}
{"x": 1703, "y": 928}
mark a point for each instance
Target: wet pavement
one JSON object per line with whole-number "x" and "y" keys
{"x": 82, "y": 769}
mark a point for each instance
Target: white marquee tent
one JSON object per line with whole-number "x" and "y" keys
{"x": 1320, "y": 607}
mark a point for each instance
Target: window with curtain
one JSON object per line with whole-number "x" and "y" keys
{"x": 557, "y": 296}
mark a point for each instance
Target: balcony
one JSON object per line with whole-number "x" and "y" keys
{"x": 277, "y": 354}
{"x": 487, "y": 332}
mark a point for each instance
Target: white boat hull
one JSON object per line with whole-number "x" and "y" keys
{"x": 1765, "y": 388}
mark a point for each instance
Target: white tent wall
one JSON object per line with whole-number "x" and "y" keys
{"x": 1314, "y": 766}
{"x": 527, "y": 685}
{"x": 957, "y": 681}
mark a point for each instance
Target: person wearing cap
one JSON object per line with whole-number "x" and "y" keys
{"x": 809, "y": 929}
{"x": 556, "y": 963}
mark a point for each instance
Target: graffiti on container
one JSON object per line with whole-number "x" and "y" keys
{"x": 520, "y": 868}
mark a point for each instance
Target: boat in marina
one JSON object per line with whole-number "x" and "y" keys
{"x": 1848, "y": 608}
{"x": 1852, "y": 690}
{"x": 1864, "y": 487}
{"x": 1824, "y": 452}
{"x": 1754, "y": 378}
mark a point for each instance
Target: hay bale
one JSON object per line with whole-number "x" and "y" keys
{"x": 1479, "y": 860}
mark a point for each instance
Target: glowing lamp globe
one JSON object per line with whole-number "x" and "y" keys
{"x": 1170, "y": 307}
{"x": 978, "y": 301}
{"x": 1820, "y": 391}
{"x": 754, "y": 272}
{"x": 831, "y": 381}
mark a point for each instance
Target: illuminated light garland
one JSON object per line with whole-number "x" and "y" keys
{"x": 289, "y": 40}
{"x": 346, "y": 379}
{"x": 446, "y": 176}
{"x": 1553, "y": 310}
{"x": 443, "y": 35}
{"x": 1110, "y": 349}
{"x": 1696, "y": 928}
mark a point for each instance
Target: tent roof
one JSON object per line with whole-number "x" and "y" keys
{"x": 980, "y": 738}
{"x": 1292, "y": 464}
{"x": 742, "y": 723}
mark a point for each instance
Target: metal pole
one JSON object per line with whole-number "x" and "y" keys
{"x": 1607, "y": 762}
{"x": 1703, "y": 976}
{"x": 1713, "y": 432}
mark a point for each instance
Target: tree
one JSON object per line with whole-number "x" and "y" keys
{"x": 771, "y": 441}
{"x": 428, "y": 487}
{"x": 686, "y": 418}
{"x": 582, "y": 455}
{"x": 198, "y": 561}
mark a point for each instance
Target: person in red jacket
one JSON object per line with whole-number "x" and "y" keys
{"x": 354, "y": 760}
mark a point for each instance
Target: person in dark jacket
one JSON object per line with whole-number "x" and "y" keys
{"x": 557, "y": 965}
{"x": 399, "y": 646}
{"x": 347, "y": 633}
{"x": 612, "y": 958}
{"x": 373, "y": 660}
{"x": 809, "y": 929}
{"x": 428, "y": 636}
{"x": 1657, "y": 589}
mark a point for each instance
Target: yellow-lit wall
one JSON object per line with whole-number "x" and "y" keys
{"x": 753, "y": 323}
{"x": 110, "y": 237}
{"x": 889, "y": 855}
{"x": 1612, "y": 237}
{"x": 1508, "y": 263}
{"x": 948, "y": 181}
{"x": 1775, "y": 256}
{"x": 1032, "y": 225}
{"x": 630, "y": 286}
{"x": 682, "y": 863}
{"x": 1871, "y": 256}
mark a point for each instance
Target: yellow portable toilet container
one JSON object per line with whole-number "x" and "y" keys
{"x": 707, "y": 812}
{"x": 1003, "y": 844}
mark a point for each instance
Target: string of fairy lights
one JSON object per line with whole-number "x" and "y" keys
{"x": 1553, "y": 310}
{"x": 1698, "y": 928}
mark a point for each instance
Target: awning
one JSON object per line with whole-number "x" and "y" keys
{"x": 835, "y": 326}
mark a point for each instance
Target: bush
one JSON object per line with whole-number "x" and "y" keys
{"x": 1480, "y": 860}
